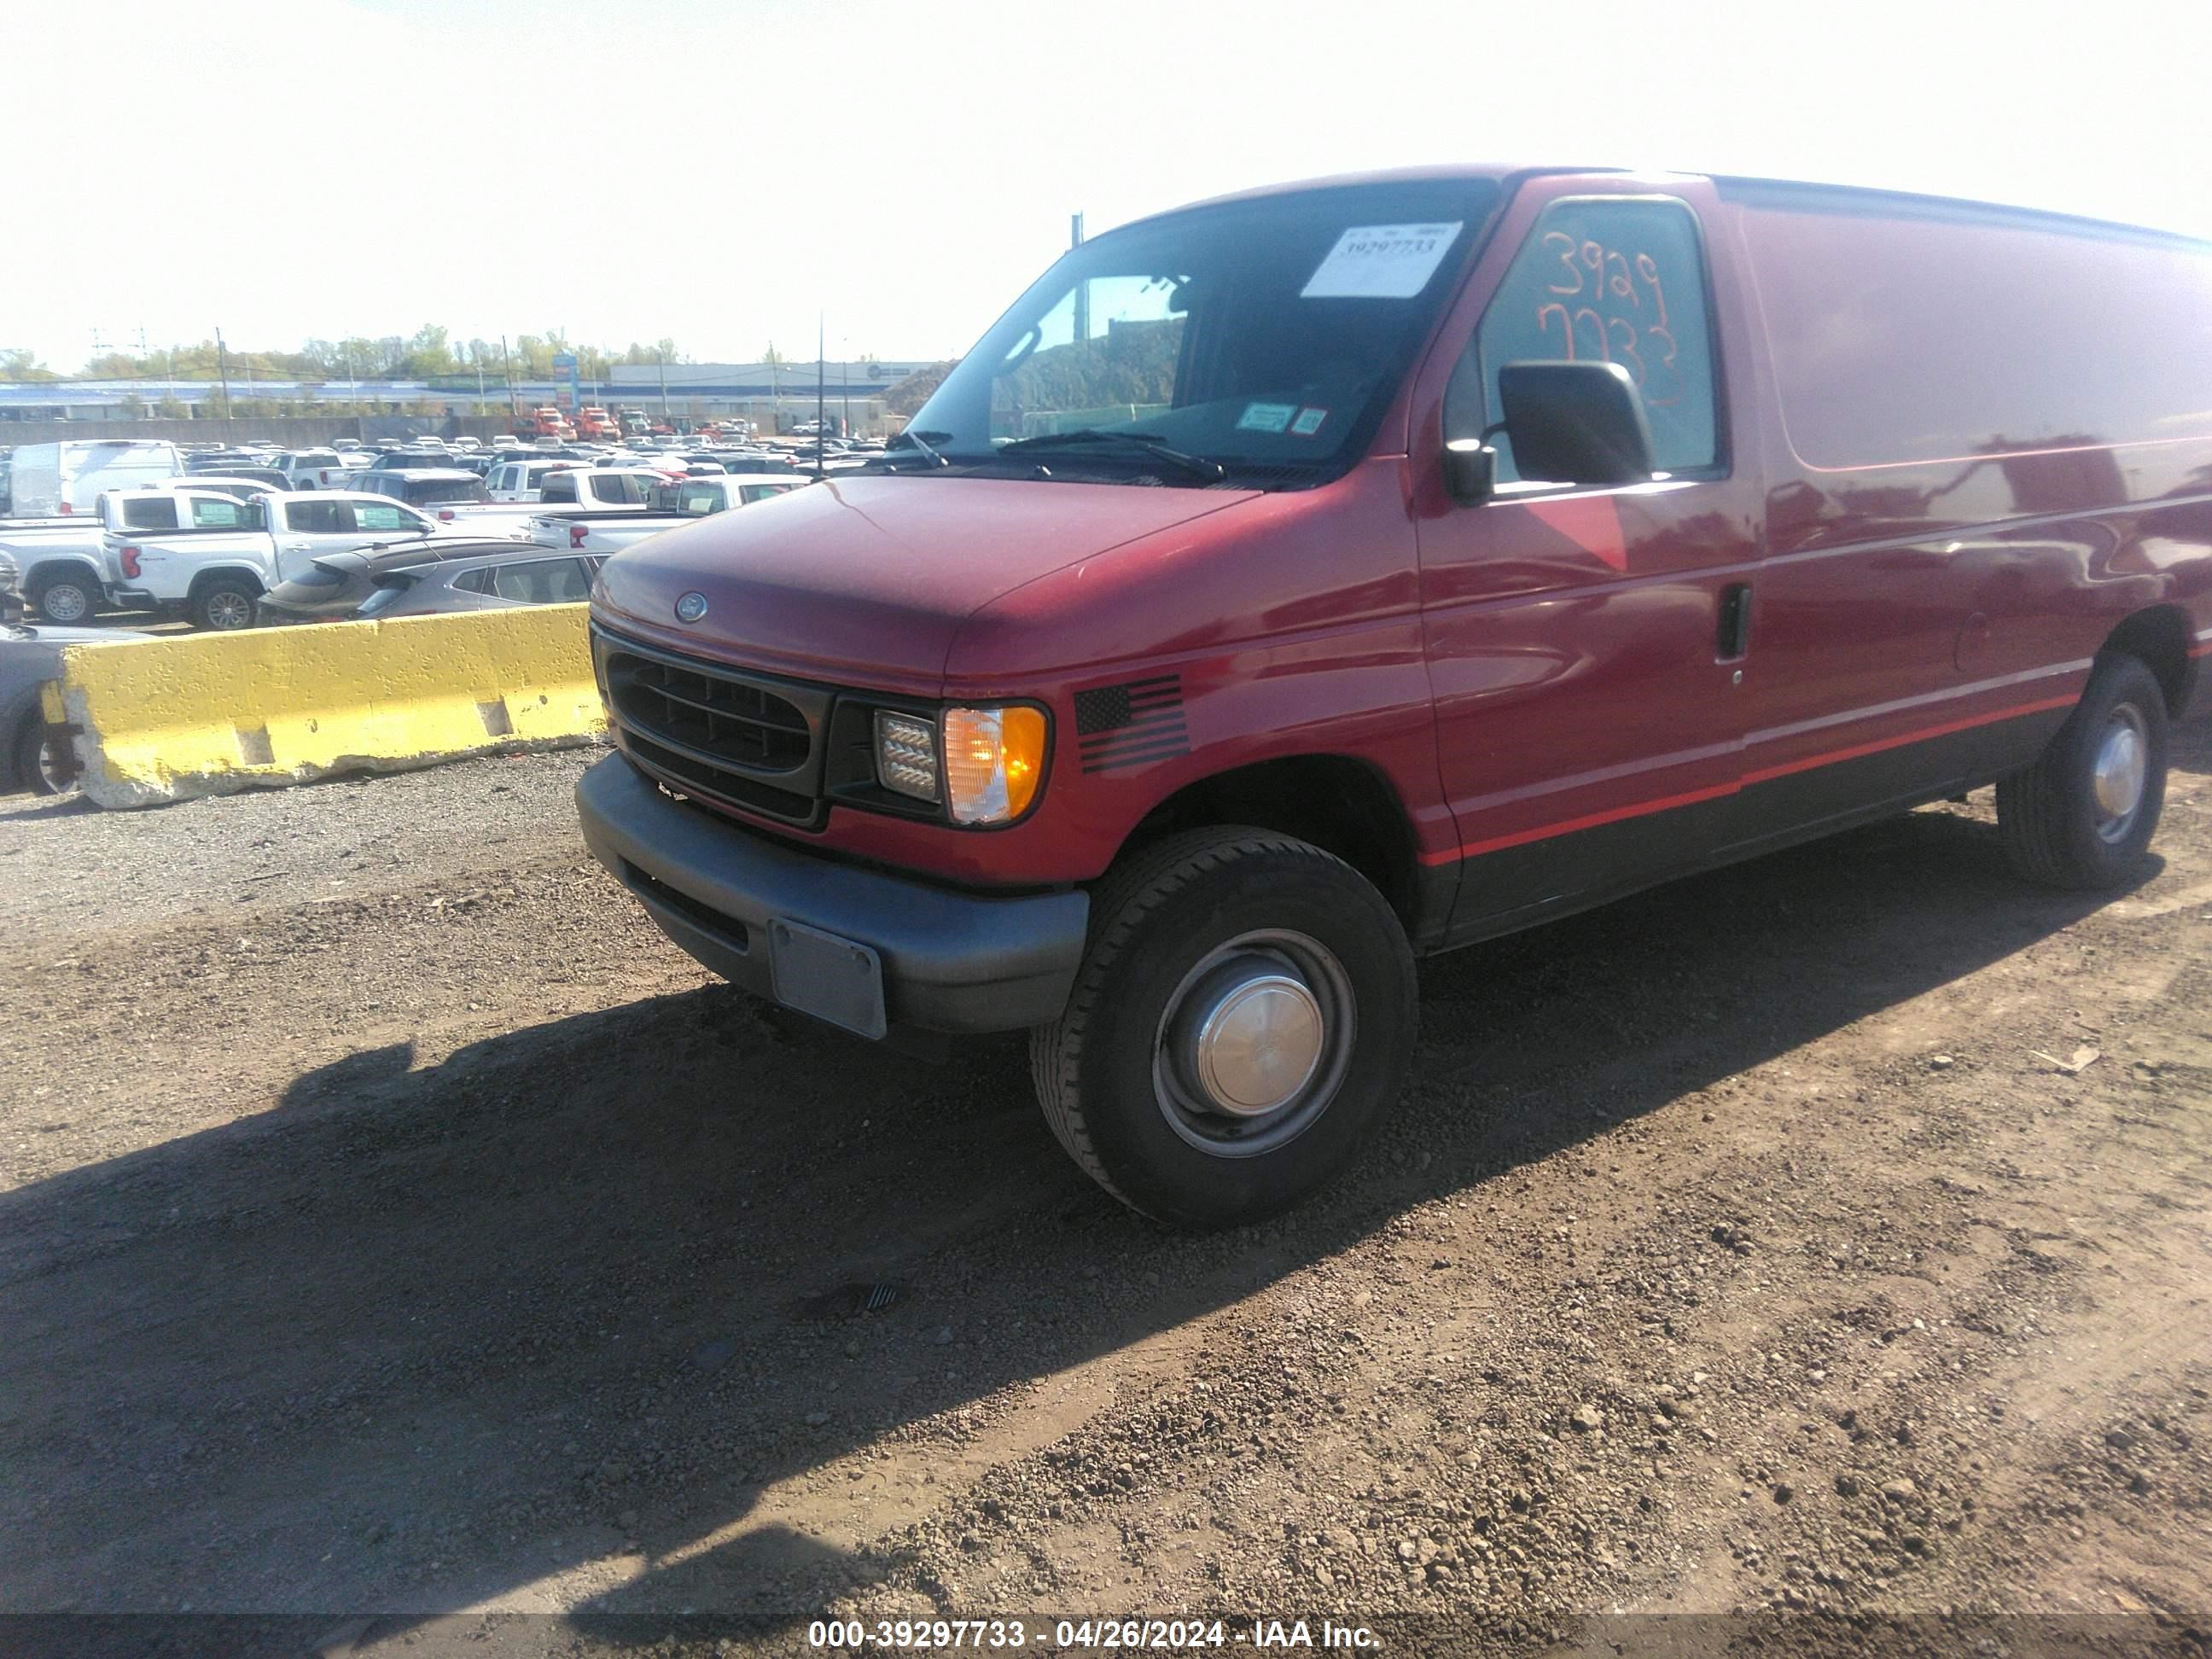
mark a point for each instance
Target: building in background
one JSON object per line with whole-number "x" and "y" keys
{"x": 775, "y": 396}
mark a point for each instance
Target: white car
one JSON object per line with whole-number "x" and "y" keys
{"x": 674, "y": 504}
{"x": 323, "y": 468}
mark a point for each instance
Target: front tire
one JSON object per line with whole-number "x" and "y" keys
{"x": 40, "y": 765}
{"x": 2083, "y": 814}
{"x": 1244, "y": 1014}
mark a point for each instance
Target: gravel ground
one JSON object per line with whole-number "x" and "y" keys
{"x": 392, "y": 1223}
{"x": 61, "y": 857}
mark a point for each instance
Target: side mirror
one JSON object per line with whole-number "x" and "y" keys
{"x": 1578, "y": 423}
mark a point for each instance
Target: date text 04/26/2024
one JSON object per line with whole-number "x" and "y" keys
{"x": 1086, "y": 1634}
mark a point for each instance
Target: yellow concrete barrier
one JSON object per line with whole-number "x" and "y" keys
{"x": 169, "y": 720}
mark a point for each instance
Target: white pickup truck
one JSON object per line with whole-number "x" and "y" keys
{"x": 217, "y": 570}
{"x": 517, "y": 480}
{"x": 58, "y": 560}
{"x": 672, "y": 505}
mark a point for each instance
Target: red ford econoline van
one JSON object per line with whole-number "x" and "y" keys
{"x": 1295, "y": 584}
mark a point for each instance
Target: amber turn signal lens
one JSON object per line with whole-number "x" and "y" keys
{"x": 994, "y": 762}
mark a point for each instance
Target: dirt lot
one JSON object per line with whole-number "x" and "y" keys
{"x": 393, "y": 1222}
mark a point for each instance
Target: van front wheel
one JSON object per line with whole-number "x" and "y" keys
{"x": 2083, "y": 814}
{"x": 1244, "y": 1015}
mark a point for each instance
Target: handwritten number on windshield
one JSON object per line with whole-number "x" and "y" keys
{"x": 1619, "y": 281}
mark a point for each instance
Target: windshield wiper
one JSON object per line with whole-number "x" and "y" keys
{"x": 916, "y": 439}
{"x": 1197, "y": 465}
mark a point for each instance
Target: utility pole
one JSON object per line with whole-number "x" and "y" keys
{"x": 222, "y": 370}
{"x": 845, "y": 387}
{"x": 821, "y": 391}
{"x": 507, "y": 366}
{"x": 1082, "y": 289}
{"x": 664, "y": 385}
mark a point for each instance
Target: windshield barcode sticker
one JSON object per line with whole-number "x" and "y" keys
{"x": 1381, "y": 262}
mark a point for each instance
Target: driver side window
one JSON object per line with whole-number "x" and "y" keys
{"x": 1619, "y": 280}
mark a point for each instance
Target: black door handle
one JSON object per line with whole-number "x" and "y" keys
{"x": 1735, "y": 621}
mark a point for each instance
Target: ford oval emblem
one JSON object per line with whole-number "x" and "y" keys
{"x": 691, "y": 607}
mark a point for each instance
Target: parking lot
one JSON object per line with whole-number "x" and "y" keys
{"x": 394, "y": 1219}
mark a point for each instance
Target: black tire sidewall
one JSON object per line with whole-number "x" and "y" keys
{"x": 202, "y": 617}
{"x": 30, "y": 742}
{"x": 2117, "y": 680}
{"x": 1141, "y": 1154}
{"x": 83, "y": 617}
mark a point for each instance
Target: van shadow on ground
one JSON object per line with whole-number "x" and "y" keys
{"x": 419, "y": 1338}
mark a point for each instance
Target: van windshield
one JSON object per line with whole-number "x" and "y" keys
{"x": 1260, "y": 339}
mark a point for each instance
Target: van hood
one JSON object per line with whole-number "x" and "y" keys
{"x": 865, "y": 581}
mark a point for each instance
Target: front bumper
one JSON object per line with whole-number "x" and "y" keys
{"x": 951, "y": 961}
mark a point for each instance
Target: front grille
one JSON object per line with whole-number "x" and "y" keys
{"x": 743, "y": 724}
{"x": 743, "y": 739}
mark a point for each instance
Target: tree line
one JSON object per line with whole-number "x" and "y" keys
{"x": 430, "y": 353}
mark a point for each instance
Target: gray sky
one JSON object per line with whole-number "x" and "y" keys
{"x": 718, "y": 173}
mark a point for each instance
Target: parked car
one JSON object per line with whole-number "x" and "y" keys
{"x": 672, "y": 505}
{"x": 753, "y": 460}
{"x": 333, "y": 585}
{"x": 30, "y": 656}
{"x": 514, "y": 574}
{"x": 65, "y": 478}
{"x": 323, "y": 468}
{"x": 1481, "y": 546}
{"x": 426, "y": 487}
{"x": 235, "y": 465}
{"x": 216, "y": 571}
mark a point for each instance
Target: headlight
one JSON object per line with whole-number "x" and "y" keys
{"x": 906, "y": 755}
{"x": 994, "y": 758}
{"x": 984, "y": 764}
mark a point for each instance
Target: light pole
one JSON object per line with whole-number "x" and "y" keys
{"x": 222, "y": 370}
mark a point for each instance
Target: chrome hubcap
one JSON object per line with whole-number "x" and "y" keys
{"x": 2123, "y": 764}
{"x": 1259, "y": 1043}
{"x": 1254, "y": 1043}
{"x": 229, "y": 611}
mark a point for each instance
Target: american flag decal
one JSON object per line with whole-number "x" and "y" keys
{"x": 1129, "y": 725}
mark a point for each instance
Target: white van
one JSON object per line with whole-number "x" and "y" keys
{"x": 68, "y": 477}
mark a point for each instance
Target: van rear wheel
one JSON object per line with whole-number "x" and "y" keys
{"x": 1244, "y": 1014}
{"x": 2083, "y": 814}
